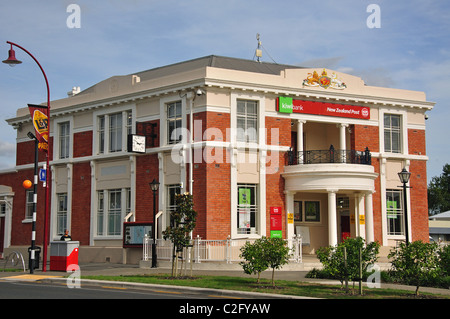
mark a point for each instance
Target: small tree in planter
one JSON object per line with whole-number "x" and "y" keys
{"x": 276, "y": 254}
{"x": 334, "y": 264}
{"x": 415, "y": 263}
{"x": 183, "y": 220}
{"x": 254, "y": 262}
{"x": 264, "y": 253}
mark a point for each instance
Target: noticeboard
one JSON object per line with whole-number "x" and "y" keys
{"x": 134, "y": 232}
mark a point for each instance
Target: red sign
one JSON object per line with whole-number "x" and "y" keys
{"x": 275, "y": 218}
{"x": 289, "y": 105}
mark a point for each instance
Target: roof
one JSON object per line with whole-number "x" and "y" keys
{"x": 439, "y": 230}
{"x": 216, "y": 61}
{"x": 444, "y": 215}
{"x": 213, "y": 61}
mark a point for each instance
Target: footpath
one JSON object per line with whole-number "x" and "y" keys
{"x": 291, "y": 272}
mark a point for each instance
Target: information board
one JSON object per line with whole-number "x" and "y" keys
{"x": 134, "y": 232}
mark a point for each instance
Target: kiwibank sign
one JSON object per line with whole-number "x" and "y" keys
{"x": 289, "y": 105}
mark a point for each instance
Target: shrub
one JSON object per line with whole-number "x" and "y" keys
{"x": 332, "y": 258}
{"x": 416, "y": 264}
{"x": 264, "y": 253}
{"x": 444, "y": 257}
{"x": 252, "y": 254}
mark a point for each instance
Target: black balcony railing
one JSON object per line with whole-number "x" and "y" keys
{"x": 329, "y": 156}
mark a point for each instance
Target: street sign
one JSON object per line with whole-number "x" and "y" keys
{"x": 43, "y": 175}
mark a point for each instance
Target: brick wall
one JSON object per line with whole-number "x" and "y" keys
{"x": 416, "y": 142}
{"x": 363, "y": 136}
{"x": 419, "y": 200}
{"x": 82, "y": 144}
{"x": 21, "y": 231}
{"x": 81, "y": 202}
{"x": 147, "y": 168}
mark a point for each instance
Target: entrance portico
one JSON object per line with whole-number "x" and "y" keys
{"x": 320, "y": 187}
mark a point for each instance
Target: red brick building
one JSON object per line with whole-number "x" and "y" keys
{"x": 265, "y": 149}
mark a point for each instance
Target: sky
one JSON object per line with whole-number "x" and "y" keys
{"x": 398, "y": 44}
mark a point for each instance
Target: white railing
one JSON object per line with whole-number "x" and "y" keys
{"x": 227, "y": 250}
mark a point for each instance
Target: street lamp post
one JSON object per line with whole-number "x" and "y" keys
{"x": 12, "y": 61}
{"x": 154, "y": 185}
{"x": 404, "y": 176}
{"x": 33, "y": 261}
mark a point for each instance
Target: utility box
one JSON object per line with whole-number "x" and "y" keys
{"x": 63, "y": 254}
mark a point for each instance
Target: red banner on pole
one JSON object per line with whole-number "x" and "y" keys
{"x": 40, "y": 123}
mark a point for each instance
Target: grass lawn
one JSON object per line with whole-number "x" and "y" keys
{"x": 296, "y": 288}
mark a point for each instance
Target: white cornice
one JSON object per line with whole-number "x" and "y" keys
{"x": 338, "y": 96}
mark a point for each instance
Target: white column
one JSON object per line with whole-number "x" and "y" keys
{"x": 342, "y": 140}
{"x": 369, "y": 218}
{"x": 332, "y": 224}
{"x": 300, "y": 135}
{"x": 289, "y": 204}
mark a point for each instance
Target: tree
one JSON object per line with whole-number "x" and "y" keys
{"x": 264, "y": 253}
{"x": 415, "y": 263}
{"x": 332, "y": 258}
{"x": 183, "y": 220}
{"x": 254, "y": 262}
{"x": 439, "y": 192}
{"x": 276, "y": 253}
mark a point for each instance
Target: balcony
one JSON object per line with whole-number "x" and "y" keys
{"x": 330, "y": 156}
{"x": 320, "y": 170}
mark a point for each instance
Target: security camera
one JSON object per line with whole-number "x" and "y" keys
{"x": 426, "y": 116}
{"x": 199, "y": 92}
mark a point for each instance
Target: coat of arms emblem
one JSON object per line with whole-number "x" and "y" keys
{"x": 324, "y": 81}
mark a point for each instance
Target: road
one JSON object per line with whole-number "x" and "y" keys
{"x": 40, "y": 290}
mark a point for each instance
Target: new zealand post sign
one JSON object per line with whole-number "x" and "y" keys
{"x": 289, "y": 105}
{"x": 40, "y": 123}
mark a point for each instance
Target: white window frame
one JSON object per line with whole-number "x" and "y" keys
{"x": 102, "y": 226}
{"x": 164, "y": 130}
{"x": 398, "y": 213}
{"x": 169, "y": 207}
{"x": 254, "y": 209}
{"x": 29, "y": 204}
{"x": 403, "y": 132}
{"x": 247, "y": 118}
{"x": 58, "y": 155}
{"x": 128, "y": 126}
{"x": 62, "y": 214}
{"x": 177, "y": 118}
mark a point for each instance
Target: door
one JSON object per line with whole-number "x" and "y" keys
{"x": 345, "y": 227}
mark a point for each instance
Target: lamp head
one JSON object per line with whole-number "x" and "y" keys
{"x": 154, "y": 185}
{"x": 11, "y": 60}
{"x": 404, "y": 176}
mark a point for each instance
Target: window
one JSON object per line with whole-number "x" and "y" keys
{"x": 247, "y": 121}
{"x": 392, "y": 133}
{"x": 307, "y": 211}
{"x": 174, "y": 122}
{"x": 115, "y": 132}
{"x": 394, "y": 210}
{"x": 101, "y": 134}
{"x": 172, "y": 190}
{"x": 112, "y": 130}
{"x": 298, "y": 211}
{"x": 247, "y": 209}
{"x": 112, "y": 207}
{"x": 312, "y": 211}
{"x": 29, "y": 205}
{"x": 61, "y": 214}
{"x": 64, "y": 140}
